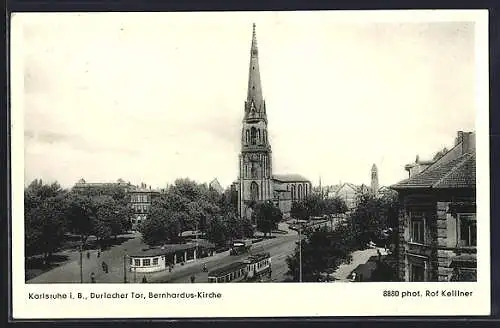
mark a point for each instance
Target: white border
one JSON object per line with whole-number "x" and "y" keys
{"x": 263, "y": 300}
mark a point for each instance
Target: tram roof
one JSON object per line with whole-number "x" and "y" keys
{"x": 227, "y": 269}
{"x": 258, "y": 257}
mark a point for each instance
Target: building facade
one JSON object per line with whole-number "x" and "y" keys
{"x": 255, "y": 181}
{"x": 141, "y": 198}
{"x": 138, "y": 196}
{"x": 437, "y": 220}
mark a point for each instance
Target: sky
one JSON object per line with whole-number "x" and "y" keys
{"x": 155, "y": 97}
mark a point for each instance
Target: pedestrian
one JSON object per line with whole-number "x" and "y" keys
{"x": 88, "y": 255}
{"x": 105, "y": 267}
{"x": 193, "y": 278}
{"x": 144, "y": 280}
{"x": 379, "y": 254}
{"x": 92, "y": 278}
{"x": 98, "y": 253}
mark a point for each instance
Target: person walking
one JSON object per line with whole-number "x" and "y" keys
{"x": 92, "y": 277}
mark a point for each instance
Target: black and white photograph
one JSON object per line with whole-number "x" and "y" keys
{"x": 260, "y": 148}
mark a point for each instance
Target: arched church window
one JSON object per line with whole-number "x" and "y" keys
{"x": 293, "y": 192}
{"x": 253, "y": 136}
{"x": 254, "y": 191}
{"x": 247, "y": 133}
{"x": 265, "y": 137}
{"x": 300, "y": 191}
{"x": 258, "y": 136}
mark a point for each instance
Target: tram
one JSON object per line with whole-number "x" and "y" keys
{"x": 255, "y": 268}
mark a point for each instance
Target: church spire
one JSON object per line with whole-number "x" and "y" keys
{"x": 254, "y": 105}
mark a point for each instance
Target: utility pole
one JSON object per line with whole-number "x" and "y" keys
{"x": 125, "y": 267}
{"x": 81, "y": 264}
{"x": 300, "y": 254}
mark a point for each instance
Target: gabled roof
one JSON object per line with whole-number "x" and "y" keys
{"x": 459, "y": 172}
{"x": 289, "y": 178}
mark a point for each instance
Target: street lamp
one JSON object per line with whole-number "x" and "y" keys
{"x": 125, "y": 266}
{"x": 81, "y": 264}
{"x": 300, "y": 254}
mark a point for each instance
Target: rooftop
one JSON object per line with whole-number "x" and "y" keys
{"x": 169, "y": 249}
{"x": 457, "y": 173}
{"x": 289, "y": 178}
{"x": 227, "y": 269}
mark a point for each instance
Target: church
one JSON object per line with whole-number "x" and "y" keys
{"x": 256, "y": 181}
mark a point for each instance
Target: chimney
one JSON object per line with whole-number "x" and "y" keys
{"x": 468, "y": 142}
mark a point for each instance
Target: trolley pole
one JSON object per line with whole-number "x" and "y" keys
{"x": 300, "y": 254}
{"x": 81, "y": 264}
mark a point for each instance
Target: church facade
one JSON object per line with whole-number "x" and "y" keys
{"x": 256, "y": 182}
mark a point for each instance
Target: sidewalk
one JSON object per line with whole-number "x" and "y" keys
{"x": 358, "y": 257}
{"x": 70, "y": 272}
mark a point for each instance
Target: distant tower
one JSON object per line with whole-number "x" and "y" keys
{"x": 255, "y": 170}
{"x": 374, "y": 183}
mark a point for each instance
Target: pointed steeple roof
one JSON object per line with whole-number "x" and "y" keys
{"x": 255, "y": 100}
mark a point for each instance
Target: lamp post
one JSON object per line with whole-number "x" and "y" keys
{"x": 81, "y": 264}
{"x": 300, "y": 254}
{"x": 125, "y": 266}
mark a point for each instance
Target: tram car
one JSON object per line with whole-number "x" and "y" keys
{"x": 255, "y": 268}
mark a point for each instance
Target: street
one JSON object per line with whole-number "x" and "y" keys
{"x": 279, "y": 248}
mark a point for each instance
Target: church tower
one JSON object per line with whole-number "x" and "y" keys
{"x": 374, "y": 183}
{"x": 255, "y": 169}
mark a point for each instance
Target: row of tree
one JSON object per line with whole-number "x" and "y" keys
{"x": 52, "y": 213}
{"x": 324, "y": 250}
{"x": 315, "y": 205}
{"x": 187, "y": 205}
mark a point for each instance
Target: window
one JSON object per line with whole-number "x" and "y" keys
{"x": 253, "y": 135}
{"x": 466, "y": 230}
{"x": 137, "y": 262}
{"x": 155, "y": 261}
{"x": 417, "y": 272}
{"x": 417, "y": 227}
{"x": 254, "y": 191}
{"x": 146, "y": 262}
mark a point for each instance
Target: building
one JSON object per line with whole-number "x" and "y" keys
{"x": 256, "y": 182}
{"x": 347, "y": 192}
{"x": 215, "y": 185}
{"x": 289, "y": 188}
{"x": 159, "y": 259}
{"x": 374, "y": 187}
{"x": 437, "y": 220}
{"x": 141, "y": 197}
{"x": 83, "y": 185}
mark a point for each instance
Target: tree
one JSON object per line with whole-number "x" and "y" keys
{"x": 44, "y": 218}
{"x": 334, "y": 206}
{"x": 440, "y": 154}
{"x": 267, "y": 216}
{"x": 299, "y": 211}
{"x": 162, "y": 225}
{"x": 322, "y": 251}
{"x": 366, "y": 218}
{"x": 374, "y": 214}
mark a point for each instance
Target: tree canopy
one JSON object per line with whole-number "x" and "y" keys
{"x": 266, "y": 216}
{"x": 315, "y": 205}
{"x": 187, "y": 205}
{"x": 323, "y": 251}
